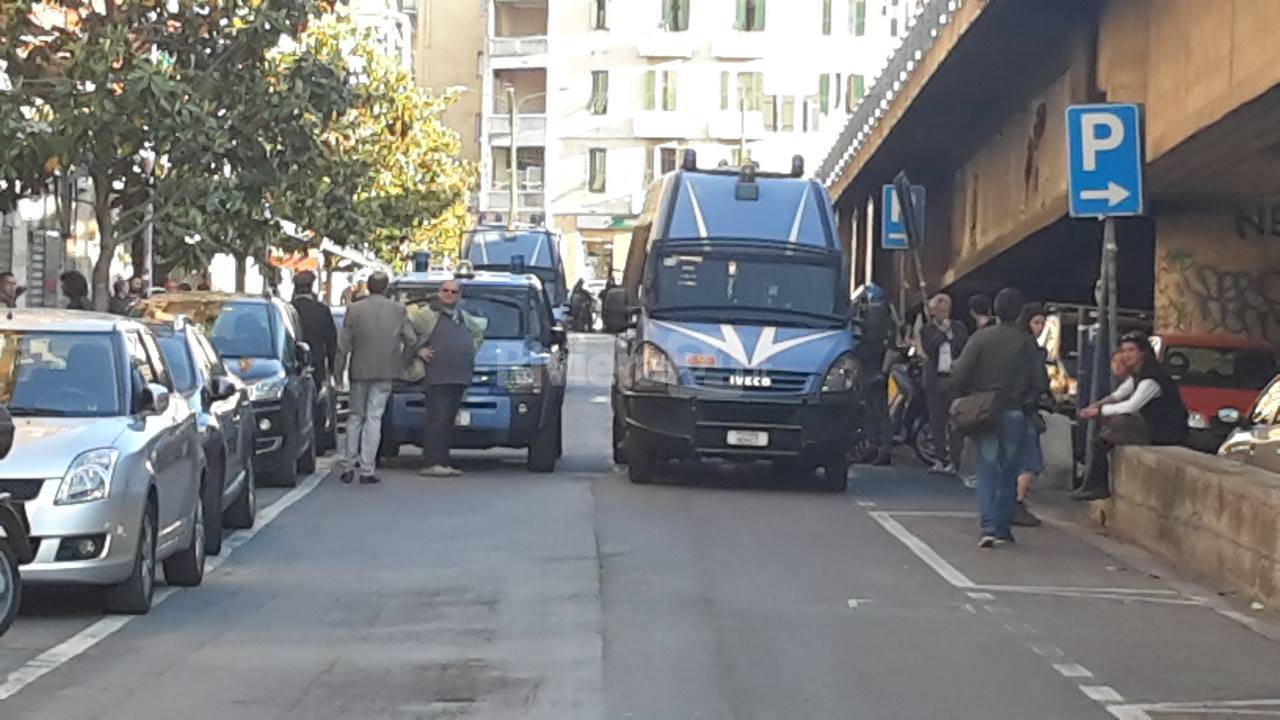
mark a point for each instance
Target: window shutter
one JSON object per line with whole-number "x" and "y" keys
{"x": 650, "y": 79}
{"x": 758, "y": 21}
{"x": 669, "y": 14}
{"x": 824, "y": 92}
{"x": 741, "y": 22}
{"x": 724, "y": 90}
{"x": 682, "y": 18}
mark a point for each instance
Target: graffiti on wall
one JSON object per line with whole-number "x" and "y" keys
{"x": 1198, "y": 296}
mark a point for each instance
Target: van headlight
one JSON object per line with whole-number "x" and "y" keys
{"x": 88, "y": 478}
{"x": 842, "y": 377}
{"x": 269, "y": 390}
{"x": 655, "y": 368}
{"x": 524, "y": 379}
{"x": 1197, "y": 421}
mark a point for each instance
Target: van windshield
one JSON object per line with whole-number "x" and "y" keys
{"x": 500, "y": 247}
{"x": 729, "y": 286}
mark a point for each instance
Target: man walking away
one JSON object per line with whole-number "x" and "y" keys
{"x": 943, "y": 340}
{"x": 1003, "y": 359}
{"x": 450, "y": 354}
{"x": 317, "y": 325}
{"x": 371, "y": 348}
{"x": 76, "y": 288}
{"x": 980, "y": 312}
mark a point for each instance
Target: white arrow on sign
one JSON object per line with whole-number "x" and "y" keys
{"x": 1114, "y": 194}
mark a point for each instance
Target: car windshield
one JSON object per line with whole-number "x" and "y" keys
{"x": 52, "y": 374}
{"x": 1242, "y": 369}
{"x": 238, "y": 328}
{"x": 178, "y": 355}
{"x": 508, "y": 314}
{"x": 500, "y": 247}
{"x": 727, "y": 286}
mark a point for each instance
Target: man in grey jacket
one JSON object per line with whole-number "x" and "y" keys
{"x": 371, "y": 347}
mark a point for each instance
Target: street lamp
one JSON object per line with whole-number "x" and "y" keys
{"x": 514, "y": 110}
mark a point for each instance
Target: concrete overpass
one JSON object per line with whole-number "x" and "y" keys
{"x": 972, "y": 106}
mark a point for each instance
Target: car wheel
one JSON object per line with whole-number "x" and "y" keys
{"x": 213, "y": 512}
{"x": 542, "y": 451}
{"x": 10, "y": 586}
{"x": 244, "y": 510}
{"x": 287, "y": 476}
{"x": 133, "y": 596}
{"x": 186, "y": 569}
{"x": 307, "y": 463}
{"x": 642, "y": 462}
{"x": 619, "y": 441}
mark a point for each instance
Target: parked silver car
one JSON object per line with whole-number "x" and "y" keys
{"x": 109, "y": 470}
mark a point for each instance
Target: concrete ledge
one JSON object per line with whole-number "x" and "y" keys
{"x": 1206, "y": 515}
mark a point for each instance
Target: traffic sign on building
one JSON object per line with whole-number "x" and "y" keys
{"x": 1105, "y": 159}
{"x": 893, "y": 226}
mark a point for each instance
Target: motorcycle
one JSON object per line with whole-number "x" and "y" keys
{"x": 909, "y": 409}
{"x": 15, "y": 543}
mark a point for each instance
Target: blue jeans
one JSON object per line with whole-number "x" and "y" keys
{"x": 999, "y": 459}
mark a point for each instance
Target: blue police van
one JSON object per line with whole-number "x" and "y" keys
{"x": 518, "y": 387}
{"x": 520, "y": 249}
{"x": 736, "y": 334}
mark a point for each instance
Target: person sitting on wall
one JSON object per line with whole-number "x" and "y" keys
{"x": 1146, "y": 409}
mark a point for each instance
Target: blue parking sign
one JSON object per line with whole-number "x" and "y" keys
{"x": 1105, "y": 159}
{"x": 893, "y": 228}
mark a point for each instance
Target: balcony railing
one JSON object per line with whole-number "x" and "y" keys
{"x": 518, "y": 46}
{"x": 500, "y": 200}
{"x": 532, "y": 129}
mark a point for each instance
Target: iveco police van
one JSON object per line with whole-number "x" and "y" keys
{"x": 735, "y": 331}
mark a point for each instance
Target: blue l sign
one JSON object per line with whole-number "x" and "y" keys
{"x": 1105, "y": 154}
{"x": 893, "y": 228}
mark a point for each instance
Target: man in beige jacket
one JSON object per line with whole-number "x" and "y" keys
{"x": 372, "y": 347}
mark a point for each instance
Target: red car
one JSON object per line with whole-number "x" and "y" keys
{"x": 1216, "y": 373}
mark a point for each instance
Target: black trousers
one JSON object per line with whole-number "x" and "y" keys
{"x": 442, "y": 403}
{"x": 875, "y": 391}
{"x": 948, "y": 446}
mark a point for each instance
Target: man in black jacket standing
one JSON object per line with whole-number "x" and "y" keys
{"x": 317, "y": 325}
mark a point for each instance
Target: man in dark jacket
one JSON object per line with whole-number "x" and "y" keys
{"x": 76, "y": 289}
{"x": 450, "y": 354}
{"x": 317, "y": 324}
{"x": 1003, "y": 359}
{"x": 943, "y": 339}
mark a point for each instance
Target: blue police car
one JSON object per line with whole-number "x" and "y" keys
{"x": 737, "y": 336}
{"x": 518, "y": 387}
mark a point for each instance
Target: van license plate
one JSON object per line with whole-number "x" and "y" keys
{"x": 464, "y": 419}
{"x": 747, "y": 438}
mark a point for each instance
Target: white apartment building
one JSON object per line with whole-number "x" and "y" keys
{"x": 609, "y": 92}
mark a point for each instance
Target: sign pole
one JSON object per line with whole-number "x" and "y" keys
{"x": 1101, "y": 357}
{"x": 1111, "y": 256}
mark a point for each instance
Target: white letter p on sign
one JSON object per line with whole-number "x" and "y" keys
{"x": 1093, "y": 143}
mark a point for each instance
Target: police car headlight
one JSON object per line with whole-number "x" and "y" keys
{"x": 655, "y": 368}
{"x": 524, "y": 379}
{"x": 88, "y": 478}
{"x": 843, "y": 375}
{"x": 267, "y": 390}
{"x": 1197, "y": 421}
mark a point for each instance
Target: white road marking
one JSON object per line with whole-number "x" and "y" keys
{"x": 1052, "y": 652}
{"x": 998, "y": 609}
{"x": 981, "y": 596}
{"x": 923, "y": 551}
{"x": 1054, "y": 588}
{"x": 1217, "y": 708}
{"x": 855, "y": 602}
{"x": 936, "y": 513}
{"x": 75, "y": 646}
{"x": 1072, "y": 670}
{"x": 866, "y": 503}
{"x": 600, "y": 400}
{"x": 1101, "y": 693}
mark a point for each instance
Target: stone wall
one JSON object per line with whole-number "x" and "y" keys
{"x": 1219, "y": 271}
{"x": 1212, "y": 517}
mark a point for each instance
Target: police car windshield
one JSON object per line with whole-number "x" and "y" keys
{"x": 740, "y": 285}
{"x": 787, "y": 211}
{"x": 509, "y": 314}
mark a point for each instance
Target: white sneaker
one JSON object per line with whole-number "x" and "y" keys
{"x": 970, "y": 481}
{"x": 440, "y": 471}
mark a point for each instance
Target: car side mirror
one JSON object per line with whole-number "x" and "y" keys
{"x": 6, "y": 432}
{"x": 221, "y": 388}
{"x": 617, "y": 314}
{"x": 155, "y": 399}
{"x": 303, "y": 351}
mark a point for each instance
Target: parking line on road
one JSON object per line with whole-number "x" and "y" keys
{"x": 75, "y": 646}
{"x": 1102, "y": 693}
{"x": 922, "y": 550}
{"x": 1217, "y": 708}
{"x": 1072, "y": 670}
{"x": 981, "y": 596}
{"x": 1052, "y": 652}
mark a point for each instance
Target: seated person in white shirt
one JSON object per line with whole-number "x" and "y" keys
{"x": 1146, "y": 409}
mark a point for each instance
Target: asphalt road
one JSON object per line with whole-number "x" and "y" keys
{"x": 505, "y": 594}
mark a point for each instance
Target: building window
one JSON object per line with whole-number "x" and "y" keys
{"x": 893, "y": 27}
{"x": 667, "y": 160}
{"x": 599, "y": 104}
{"x": 741, "y": 156}
{"x": 750, "y": 16}
{"x": 596, "y": 170}
{"x": 839, "y": 87}
{"x": 788, "y": 122}
{"x": 824, "y": 93}
{"x": 855, "y": 91}
{"x": 751, "y": 90}
{"x": 599, "y": 14}
{"x": 858, "y": 17}
{"x": 724, "y": 90}
{"x": 771, "y": 113}
{"x": 660, "y": 84}
{"x": 812, "y": 113}
{"x": 826, "y": 17}
{"x": 675, "y": 15}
